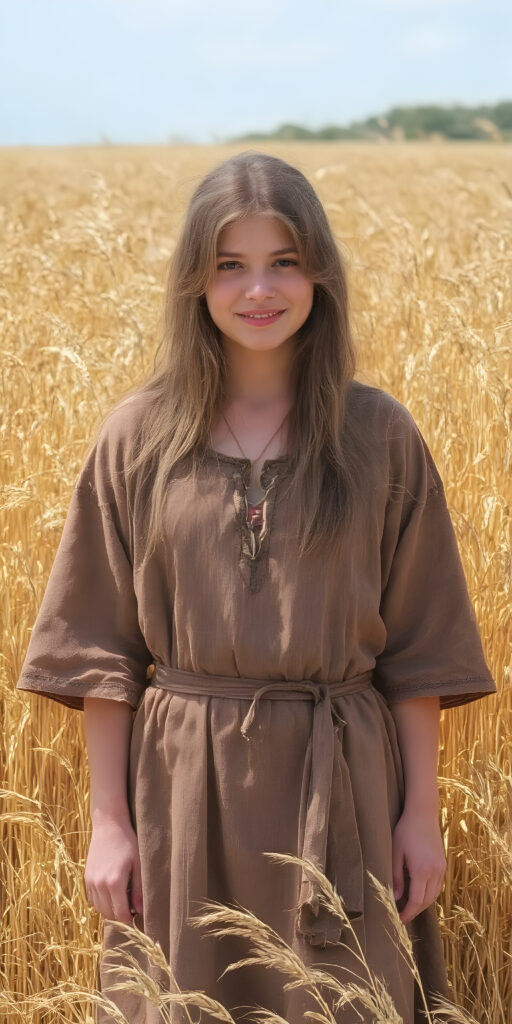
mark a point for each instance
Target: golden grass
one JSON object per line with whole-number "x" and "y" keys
{"x": 86, "y": 235}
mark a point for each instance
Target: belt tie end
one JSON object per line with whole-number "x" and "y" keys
{"x": 317, "y": 920}
{"x": 331, "y": 838}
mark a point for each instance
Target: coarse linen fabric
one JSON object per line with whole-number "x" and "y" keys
{"x": 261, "y": 684}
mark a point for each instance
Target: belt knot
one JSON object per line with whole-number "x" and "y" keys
{"x": 319, "y": 692}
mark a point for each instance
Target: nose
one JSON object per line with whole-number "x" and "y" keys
{"x": 259, "y": 287}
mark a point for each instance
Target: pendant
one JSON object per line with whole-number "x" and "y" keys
{"x": 253, "y": 560}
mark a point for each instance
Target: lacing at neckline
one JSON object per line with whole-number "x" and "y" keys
{"x": 253, "y": 550}
{"x": 240, "y": 460}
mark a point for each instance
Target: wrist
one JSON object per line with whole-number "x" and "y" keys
{"x": 424, "y": 803}
{"x": 113, "y": 815}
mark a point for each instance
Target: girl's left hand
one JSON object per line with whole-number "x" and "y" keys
{"x": 417, "y": 848}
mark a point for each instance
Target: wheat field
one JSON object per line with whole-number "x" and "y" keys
{"x": 86, "y": 234}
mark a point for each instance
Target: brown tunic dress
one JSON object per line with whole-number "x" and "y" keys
{"x": 265, "y": 726}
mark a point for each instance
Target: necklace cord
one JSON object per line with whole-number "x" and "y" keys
{"x": 267, "y": 444}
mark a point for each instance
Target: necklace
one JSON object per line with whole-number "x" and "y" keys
{"x": 254, "y": 461}
{"x": 267, "y": 444}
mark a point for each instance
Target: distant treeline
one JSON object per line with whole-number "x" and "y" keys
{"x": 457, "y": 122}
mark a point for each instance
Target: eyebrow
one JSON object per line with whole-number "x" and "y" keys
{"x": 277, "y": 252}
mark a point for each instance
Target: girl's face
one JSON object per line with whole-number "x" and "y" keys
{"x": 259, "y": 295}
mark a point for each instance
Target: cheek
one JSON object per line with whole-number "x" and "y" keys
{"x": 218, "y": 295}
{"x": 304, "y": 293}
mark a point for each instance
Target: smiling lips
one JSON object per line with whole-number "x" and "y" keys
{"x": 261, "y": 317}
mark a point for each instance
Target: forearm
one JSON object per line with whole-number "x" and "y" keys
{"x": 107, "y": 727}
{"x": 417, "y": 725}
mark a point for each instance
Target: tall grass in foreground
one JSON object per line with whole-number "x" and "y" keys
{"x": 134, "y": 962}
{"x": 427, "y": 233}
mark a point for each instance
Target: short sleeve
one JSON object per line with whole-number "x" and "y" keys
{"x": 86, "y": 640}
{"x": 433, "y": 645}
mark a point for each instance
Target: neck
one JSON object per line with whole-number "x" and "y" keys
{"x": 258, "y": 379}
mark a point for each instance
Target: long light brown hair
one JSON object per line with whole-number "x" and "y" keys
{"x": 329, "y": 457}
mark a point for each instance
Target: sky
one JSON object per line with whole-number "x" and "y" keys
{"x": 79, "y": 72}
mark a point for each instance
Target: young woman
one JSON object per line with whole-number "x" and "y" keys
{"x": 271, "y": 539}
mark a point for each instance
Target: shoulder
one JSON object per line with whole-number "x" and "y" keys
{"x": 377, "y": 410}
{"x": 389, "y": 424}
{"x": 122, "y": 425}
{"x": 114, "y": 443}
{"x": 115, "y": 438}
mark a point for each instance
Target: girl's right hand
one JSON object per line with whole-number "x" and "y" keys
{"x": 112, "y": 869}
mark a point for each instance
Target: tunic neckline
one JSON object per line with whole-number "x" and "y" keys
{"x": 241, "y": 460}
{"x": 254, "y": 547}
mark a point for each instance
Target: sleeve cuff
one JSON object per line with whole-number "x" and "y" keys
{"x": 451, "y": 692}
{"x": 71, "y": 693}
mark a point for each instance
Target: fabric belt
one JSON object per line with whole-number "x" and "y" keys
{"x": 331, "y": 838}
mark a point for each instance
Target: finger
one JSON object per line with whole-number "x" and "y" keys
{"x": 434, "y": 887}
{"x": 100, "y": 900}
{"x": 121, "y": 906}
{"x": 398, "y": 872}
{"x": 135, "y": 887}
{"x": 415, "y": 900}
{"x": 110, "y": 902}
{"x": 94, "y": 898}
{"x": 439, "y": 884}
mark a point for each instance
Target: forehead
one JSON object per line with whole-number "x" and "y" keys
{"x": 260, "y": 231}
